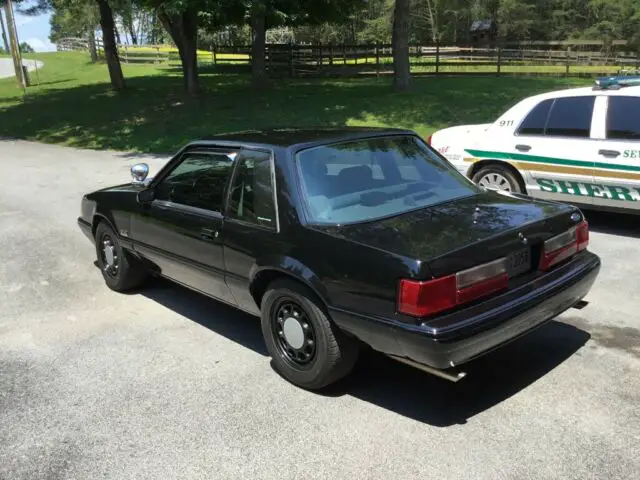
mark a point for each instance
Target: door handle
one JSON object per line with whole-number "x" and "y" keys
{"x": 208, "y": 234}
{"x": 609, "y": 153}
{"x": 523, "y": 148}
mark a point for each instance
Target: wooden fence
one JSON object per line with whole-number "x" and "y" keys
{"x": 569, "y": 58}
{"x": 350, "y": 60}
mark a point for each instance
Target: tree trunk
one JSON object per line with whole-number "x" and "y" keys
{"x": 4, "y": 34}
{"x": 258, "y": 45}
{"x": 400, "y": 41}
{"x": 183, "y": 28}
{"x": 432, "y": 14}
{"x": 109, "y": 45}
{"x": 117, "y": 34}
{"x": 93, "y": 51}
{"x": 132, "y": 31}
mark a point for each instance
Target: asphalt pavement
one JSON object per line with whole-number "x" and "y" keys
{"x": 166, "y": 384}
{"x": 6, "y": 66}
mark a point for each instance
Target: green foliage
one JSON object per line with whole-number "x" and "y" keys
{"x": 72, "y": 18}
{"x": 26, "y": 48}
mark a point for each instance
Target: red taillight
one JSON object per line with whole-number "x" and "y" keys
{"x": 421, "y": 299}
{"x": 424, "y": 298}
{"x": 583, "y": 235}
{"x": 564, "y": 246}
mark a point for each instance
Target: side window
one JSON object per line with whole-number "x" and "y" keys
{"x": 571, "y": 117}
{"x": 252, "y": 191}
{"x": 535, "y": 122}
{"x": 199, "y": 180}
{"x": 623, "y": 118}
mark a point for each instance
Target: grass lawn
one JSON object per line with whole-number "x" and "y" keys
{"x": 73, "y": 105}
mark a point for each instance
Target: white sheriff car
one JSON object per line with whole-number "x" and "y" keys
{"x": 578, "y": 146}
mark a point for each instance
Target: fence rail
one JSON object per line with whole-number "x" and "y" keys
{"x": 553, "y": 58}
{"x": 577, "y": 57}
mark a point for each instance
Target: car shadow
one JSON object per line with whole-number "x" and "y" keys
{"x": 619, "y": 224}
{"x": 394, "y": 386}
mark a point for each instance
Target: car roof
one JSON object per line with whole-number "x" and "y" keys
{"x": 632, "y": 91}
{"x": 299, "y": 137}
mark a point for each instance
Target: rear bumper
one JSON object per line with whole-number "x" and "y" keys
{"x": 482, "y": 328}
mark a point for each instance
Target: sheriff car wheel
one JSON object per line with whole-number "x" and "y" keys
{"x": 496, "y": 177}
{"x": 307, "y": 349}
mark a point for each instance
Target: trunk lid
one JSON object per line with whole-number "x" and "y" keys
{"x": 461, "y": 234}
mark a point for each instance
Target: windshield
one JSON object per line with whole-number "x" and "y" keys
{"x": 362, "y": 180}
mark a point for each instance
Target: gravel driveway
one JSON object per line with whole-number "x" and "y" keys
{"x": 168, "y": 384}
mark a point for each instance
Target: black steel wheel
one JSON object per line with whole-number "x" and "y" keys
{"x": 294, "y": 333}
{"x": 120, "y": 269}
{"x": 306, "y": 347}
{"x": 109, "y": 255}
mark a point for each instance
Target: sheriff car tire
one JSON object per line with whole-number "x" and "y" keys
{"x": 120, "y": 269}
{"x": 307, "y": 349}
{"x": 498, "y": 177}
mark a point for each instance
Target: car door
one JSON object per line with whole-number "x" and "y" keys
{"x": 251, "y": 231}
{"x": 180, "y": 230}
{"x": 553, "y": 148}
{"x": 617, "y": 169}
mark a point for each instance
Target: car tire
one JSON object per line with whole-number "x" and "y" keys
{"x": 120, "y": 269}
{"x": 492, "y": 176}
{"x": 291, "y": 316}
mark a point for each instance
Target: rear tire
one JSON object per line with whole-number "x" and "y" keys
{"x": 120, "y": 269}
{"x": 500, "y": 178}
{"x": 306, "y": 347}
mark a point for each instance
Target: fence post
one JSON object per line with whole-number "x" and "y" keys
{"x": 377, "y": 59}
{"x": 267, "y": 51}
{"x": 291, "y": 70}
{"x": 213, "y": 54}
{"x": 331, "y": 54}
{"x": 344, "y": 53}
{"x": 568, "y": 54}
{"x": 437, "y": 58}
{"x": 499, "y": 59}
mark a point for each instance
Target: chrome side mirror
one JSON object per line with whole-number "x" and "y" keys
{"x": 139, "y": 172}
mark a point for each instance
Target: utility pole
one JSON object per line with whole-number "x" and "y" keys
{"x": 15, "y": 48}
{"x": 4, "y": 33}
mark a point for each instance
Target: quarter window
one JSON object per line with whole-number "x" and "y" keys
{"x": 198, "y": 181}
{"x": 536, "y": 121}
{"x": 252, "y": 198}
{"x": 623, "y": 118}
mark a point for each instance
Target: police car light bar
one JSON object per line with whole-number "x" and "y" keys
{"x": 614, "y": 83}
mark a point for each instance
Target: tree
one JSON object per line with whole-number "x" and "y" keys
{"x": 400, "y": 44}
{"x": 26, "y": 48}
{"x": 110, "y": 46}
{"x": 75, "y": 18}
{"x": 181, "y": 22}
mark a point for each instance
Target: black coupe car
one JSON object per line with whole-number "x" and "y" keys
{"x": 341, "y": 237}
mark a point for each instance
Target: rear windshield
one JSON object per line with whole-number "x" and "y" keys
{"x": 363, "y": 180}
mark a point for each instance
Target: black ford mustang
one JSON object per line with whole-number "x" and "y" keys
{"x": 338, "y": 237}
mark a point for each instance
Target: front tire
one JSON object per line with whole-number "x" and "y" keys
{"x": 498, "y": 177}
{"x": 307, "y": 349}
{"x": 120, "y": 269}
